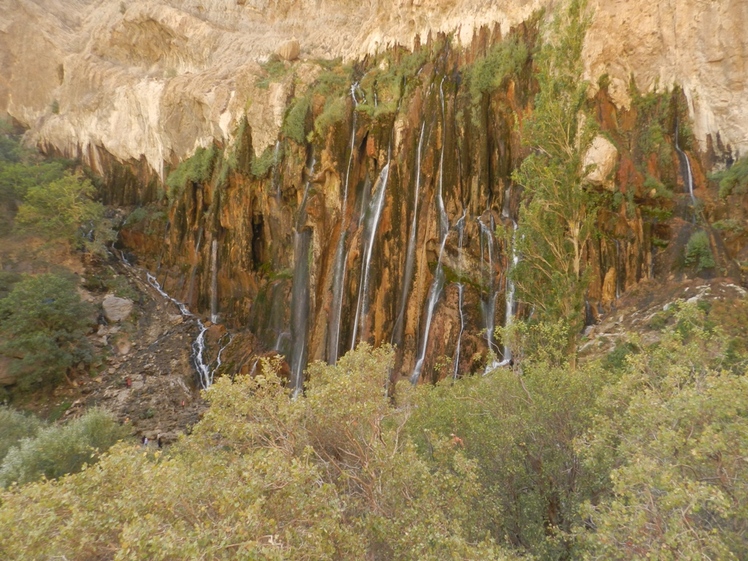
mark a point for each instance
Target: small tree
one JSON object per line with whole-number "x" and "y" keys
{"x": 60, "y": 209}
{"x": 557, "y": 218}
{"x": 43, "y": 323}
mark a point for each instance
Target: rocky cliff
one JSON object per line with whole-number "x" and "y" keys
{"x": 360, "y": 189}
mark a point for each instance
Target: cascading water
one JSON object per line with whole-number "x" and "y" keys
{"x": 437, "y": 285}
{"x": 510, "y": 292}
{"x": 371, "y": 222}
{"x": 338, "y": 280}
{"x": 300, "y": 292}
{"x": 276, "y": 174}
{"x": 214, "y": 281}
{"x": 204, "y": 371}
{"x": 397, "y": 332}
{"x": 685, "y": 167}
{"x": 460, "y": 226}
{"x": 488, "y": 298}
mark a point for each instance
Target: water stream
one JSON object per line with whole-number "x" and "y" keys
{"x": 341, "y": 255}
{"x": 460, "y": 226}
{"x": 300, "y": 291}
{"x": 214, "y": 281}
{"x": 371, "y": 222}
{"x": 685, "y": 167}
{"x": 397, "y": 332}
{"x": 437, "y": 285}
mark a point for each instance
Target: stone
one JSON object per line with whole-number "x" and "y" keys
{"x": 116, "y": 309}
{"x": 603, "y": 155}
{"x": 289, "y": 50}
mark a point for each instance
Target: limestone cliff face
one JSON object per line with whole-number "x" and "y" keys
{"x": 327, "y": 205}
{"x": 156, "y": 79}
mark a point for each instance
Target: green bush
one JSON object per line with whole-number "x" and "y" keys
{"x": 15, "y": 427}
{"x": 196, "y": 169}
{"x": 734, "y": 180}
{"x": 61, "y": 209}
{"x": 699, "y": 251}
{"x": 61, "y": 449}
{"x": 294, "y": 126}
{"x": 43, "y": 324}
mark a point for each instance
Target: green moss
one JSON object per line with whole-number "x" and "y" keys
{"x": 661, "y": 191}
{"x": 728, "y": 225}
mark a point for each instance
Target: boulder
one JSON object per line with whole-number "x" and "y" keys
{"x": 289, "y": 50}
{"x": 603, "y": 155}
{"x": 116, "y": 309}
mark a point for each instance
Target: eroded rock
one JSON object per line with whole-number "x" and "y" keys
{"x": 116, "y": 309}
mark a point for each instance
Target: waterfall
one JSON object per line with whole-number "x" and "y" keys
{"x": 275, "y": 179}
{"x": 685, "y": 167}
{"x": 214, "y": 281}
{"x": 460, "y": 293}
{"x": 341, "y": 255}
{"x": 371, "y": 222}
{"x": 510, "y": 291}
{"x": 204, "y": 371}
{"x": 300, "y": 292}
{"x": 397, "y": 332}
{"x": 437, "y": 285}
{"x": 488, "y": 300}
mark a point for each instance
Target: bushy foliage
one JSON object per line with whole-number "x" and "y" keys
{"x": 294, "y": 125}
{"x": 196, "y": 169}
{"x": 331, "y": 475}
{"x": 43, "y": 324}
{"x": 733, "y": 180}
{"x": 65, "y": 209}
{"x": 699, "y": 251}
{"x": 502, "y": 61}
{"x": 673, "y": 438}
{"x": 60, "y": 449}
{"x": 15, "y": 426}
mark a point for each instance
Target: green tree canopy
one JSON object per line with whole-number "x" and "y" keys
{"x": 43, "y": 324}
{"x": 557, "y": 217}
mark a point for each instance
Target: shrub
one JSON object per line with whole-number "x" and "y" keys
{"x": 699, "y": 251}
{"x": 15, "y": 426}
{"x": 44, "y": 324}
{"x": 61, "y": 449}
{"x": 196, "y": 169}
{"x": 294, "y": 127}
{"x": 733, "y": 180}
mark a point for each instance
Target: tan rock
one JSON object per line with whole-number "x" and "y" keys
{"x": 289, "y": 50}
{"x": 602, "y": 155}
{"x": 116, "y": 309}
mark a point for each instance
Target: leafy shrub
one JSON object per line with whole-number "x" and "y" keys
{"x": 44, "y": 324}
{"x": 699, "y": 251}
{"x": 331, "y": 475}
{"x": 294, "y": 126}
{"x": 61, "y": 449}
{"x": 673, "y": 441}
{"x": 196, "y": 169}
{"x": 15, "y": 426}
{"x": 733, "y": 180}
{"x": 502, "y": 61}
{"x": 260, "y": 166}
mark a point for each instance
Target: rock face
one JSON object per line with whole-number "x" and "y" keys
{"x": 156, "y": 79}
{"x": 372, "y": 203}
{"x": 116, "y": 309}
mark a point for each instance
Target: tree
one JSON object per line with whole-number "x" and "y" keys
{"x": 557, "y": 219}
{"x": 43, "y": 323}
{"x": 63, "y": 208}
